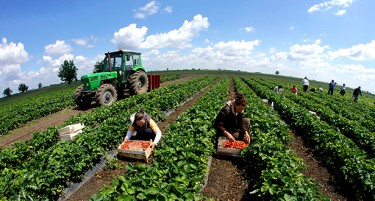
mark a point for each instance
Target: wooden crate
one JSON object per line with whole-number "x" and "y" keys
{"x": 137, "y": 153}
{"x": 70, "y": 129}
{"x": 221, "y": 150}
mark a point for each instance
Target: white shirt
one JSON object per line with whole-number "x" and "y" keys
{"x": 305, "y": 82}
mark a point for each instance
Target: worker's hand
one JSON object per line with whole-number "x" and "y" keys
{"x": 247, "y": 138}
{"x": 152, "y": 146}
{"x": 230, "y": 138}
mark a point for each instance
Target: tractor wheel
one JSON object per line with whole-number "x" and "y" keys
{"x": 107, "y": 94}
{"x": 138, "y": 83}
{"x": 80, "y": 100}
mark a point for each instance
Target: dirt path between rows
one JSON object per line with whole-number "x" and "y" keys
{"x": 105, "y": 177}
{"x": 328, "y": 184}
{"x": 25, "y": 132}
{"x": 227, "y": 178}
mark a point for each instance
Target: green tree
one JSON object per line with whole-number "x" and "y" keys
{"x": 68, "y": 71}
{"x": 39, "y": 85}
{"x": 7, "y": 92}
{"x": 22, "y": 87}
{"x": 277, "y": 72}
{"x": 99, "y": 66}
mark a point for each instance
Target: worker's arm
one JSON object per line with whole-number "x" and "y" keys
{"x": 219, "y": 124}
{"x": 154, "y": 127}
{"x": 130, "y": 132}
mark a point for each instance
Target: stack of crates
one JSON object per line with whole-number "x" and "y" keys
{"x": 70, "y": 131}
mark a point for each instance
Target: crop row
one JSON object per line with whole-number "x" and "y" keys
{"x": 336, "y": 149}
{"x": 17, "y": 114}
{"x": 24, "y": 151}
{"x": 352, "y": 129}
{"x": 180, "y": 164}
{"x": 169, "y": 77}
{"x": 358, "y": 112}
{"x": 46, "y": 174}
{"x": 362, "y": 116}
{"x": 276, "y": 170}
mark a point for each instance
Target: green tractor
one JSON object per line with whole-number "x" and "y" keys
{"x": 122, "y": 74}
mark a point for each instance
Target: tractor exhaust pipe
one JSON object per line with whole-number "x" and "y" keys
{"x": 109, "y": 62}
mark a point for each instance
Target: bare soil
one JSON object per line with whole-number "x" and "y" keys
{"x": 328, "y": 183}
{"x": 105, "y": 177}
{"x": 227, "y": 178}
{"x": 25, "y": 132}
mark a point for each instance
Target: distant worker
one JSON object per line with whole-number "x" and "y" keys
{"x": 146, "y": 128}
{"x": 305, "y": 84}
{"x": 331, "y": 86}
{"x": 313, "y": 89}
{"x": 356, "y": 93}
{"x": 320, "y": 89}
{"x": 294, "y": 89}
{"x": 278, "y": 89}
{"x": 230, "y": 121}
{"x": 342, "y": 92}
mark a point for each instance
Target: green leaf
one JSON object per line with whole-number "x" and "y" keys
{"x": 141, "y": 196}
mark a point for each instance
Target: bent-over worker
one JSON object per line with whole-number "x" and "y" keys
{"x": 146, "y": 128}
{"x": 230, "y": 122}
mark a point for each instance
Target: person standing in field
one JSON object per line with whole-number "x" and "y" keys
{"x": 342, "y": 92}
{"x": 305, "y": 84}
{"x": 356, "y": 93}
{"x": 230, "y": 121}
{"x": 331, "y": 86}
{"x": 294, "y": 89}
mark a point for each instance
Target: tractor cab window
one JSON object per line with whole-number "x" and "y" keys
{"x": 137, "y": 60}
{"x": 116, "y": 62}
{"x": 129, "y": 63}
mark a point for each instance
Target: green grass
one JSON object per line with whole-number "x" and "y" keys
{"x": 36, "y": 92}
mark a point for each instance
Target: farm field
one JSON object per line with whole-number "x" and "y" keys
{"x": 294, "y": 154}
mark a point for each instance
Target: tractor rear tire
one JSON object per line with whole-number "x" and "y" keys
{"x": 81, "y": 102}
{"x": 138, "y": 83}
{"x": 106, "y": 95}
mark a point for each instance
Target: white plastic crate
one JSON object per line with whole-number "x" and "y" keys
{"x": 70, "y": 129}
{"x": 69, "y": 136}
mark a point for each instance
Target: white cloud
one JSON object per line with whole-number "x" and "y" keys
{"x": 329, "y": 4}
{"x": 12, "y": 53}
{"x": 291, "y": 28}
{"x": 248, "y": 29}
{"x": 360, "y": 52}
{"x": 340, "y": 12}
{"x": 180, "y": 38}
{"x": 168, "y": 9}
{"x": 228, "y": 55}
{"x": 57, "y": 49}
{"x": 129, "y": 37}
{"x": 85, "y": 42}
{"x": 147, "y": 10}
{"x": 303, "y": 52}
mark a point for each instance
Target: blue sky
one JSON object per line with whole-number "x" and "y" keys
{"x": 319, "y": 39}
